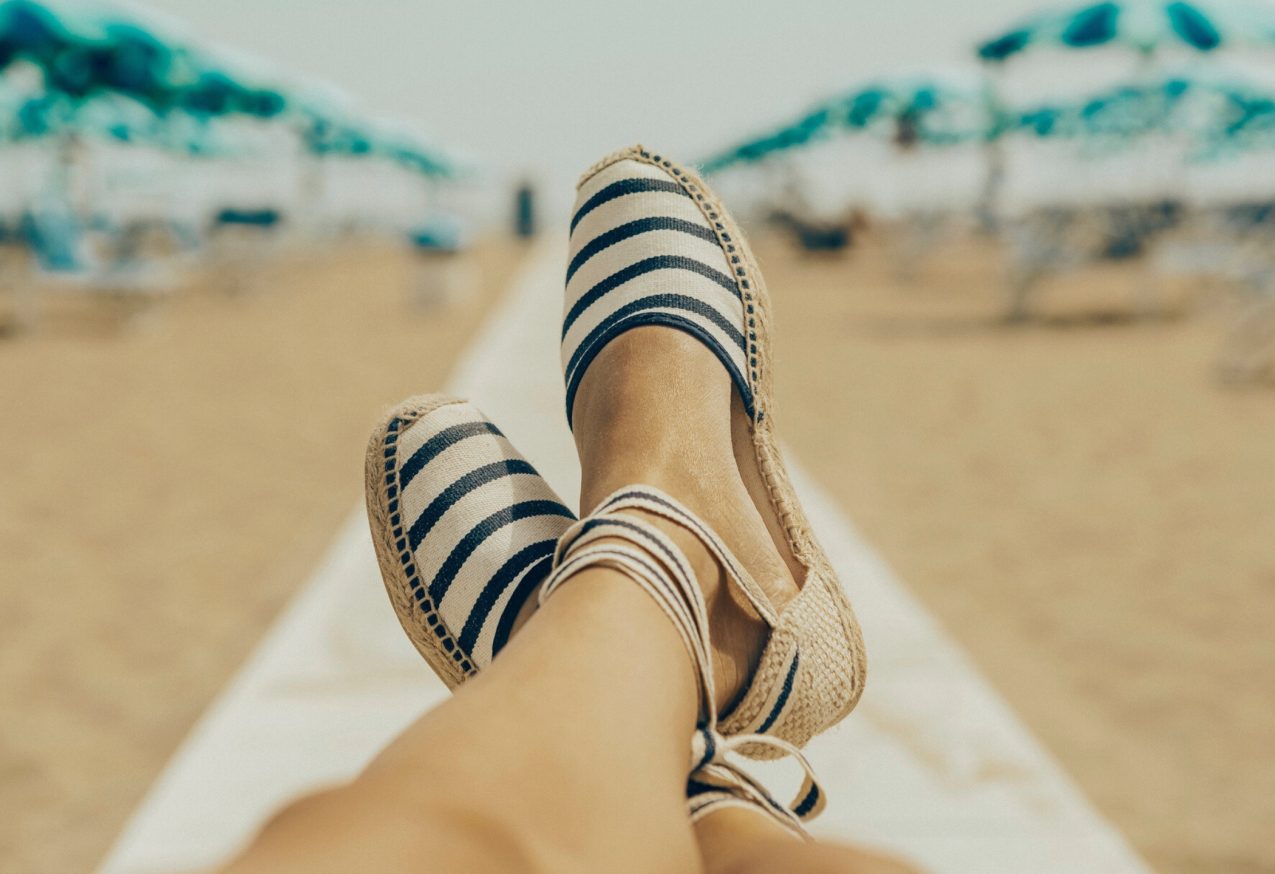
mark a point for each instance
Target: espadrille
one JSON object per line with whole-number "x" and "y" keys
{"x": 651, "y": 245}
{"x": 465, "y": 533}
{"x": 464, "y": 528}
{"x": 619, "y": 535}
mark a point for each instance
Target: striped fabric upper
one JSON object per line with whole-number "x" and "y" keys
{"x": 643, "y": 253}
{"x": 474, "y": 525}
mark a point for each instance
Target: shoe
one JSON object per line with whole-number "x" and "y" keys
{"x": 464, "y": 529}
{"x": 465, "y": 532}
{"x": 651, "y": 245}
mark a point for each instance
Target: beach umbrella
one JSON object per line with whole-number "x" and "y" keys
{"x": 330, "y": 128}
{"x": 1252, "y": 124}
{"x": 220, "y": 92}
{"x": 82, "y": 50}
{"x": 1122, "y": 114}
{"x": 107, "y": 116}
{"x": 400, "y": 143}
{"x": 227, "y": 83}
{"x": 87, "y": 50}
{"x": 1141, "y": 25}
{"x": 1211, "y": 110}
{"x": 38, "y": 32}
{"x": 918, "y": 110}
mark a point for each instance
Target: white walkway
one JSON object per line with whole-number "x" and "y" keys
{"x": 932, "y": 763}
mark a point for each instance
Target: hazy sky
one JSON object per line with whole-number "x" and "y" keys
{"x": 551, "y": 85}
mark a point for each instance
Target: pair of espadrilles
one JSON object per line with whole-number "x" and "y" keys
{"x": 467, "y": 532}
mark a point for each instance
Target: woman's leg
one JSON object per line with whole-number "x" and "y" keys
{"x": 569, "y": 753}
{"x": 735, "y": 840}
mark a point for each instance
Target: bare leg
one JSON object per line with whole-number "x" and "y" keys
{"x": 568, "y": 754}
{"x": 655, "y": 407}
{"x": 739, "y": 841}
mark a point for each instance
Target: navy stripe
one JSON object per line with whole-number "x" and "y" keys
{"x": 507, "y": 516}
{"x": 655, "y": 302}
{"x": 641, "y": 268}
{"x": 710, "y": 748}
{"x": 783, "y": 696}
{"x": 632, "y": 229}
{"x": 431, "y": 448}
{"x": 695, "y": 787}
{"x": 530, "y": 582}
{"x": 496, "y": 586}
{"x": 656, "y": 571}
{"x": 666, "y": 320}
{"x": 457, "y": 490}
{"x": 621, "y": 188}
{"x": 686, "y": 517}
{"x": 807, "y": 803}
{"x": 594, "y": 523}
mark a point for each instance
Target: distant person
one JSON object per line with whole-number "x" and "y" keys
{"x": 525, "y": 211}
{"x": 611, "y": 670}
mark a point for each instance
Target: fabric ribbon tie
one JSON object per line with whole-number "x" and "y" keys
{"x": 711, "y": 764}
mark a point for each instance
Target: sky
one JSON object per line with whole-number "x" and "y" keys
{"x": 546, "y": 87}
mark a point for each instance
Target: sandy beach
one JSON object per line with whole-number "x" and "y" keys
{"x": 1077, "y": 499}
{"x": 166, "y": 488}
{"x": 1079, "y": 502}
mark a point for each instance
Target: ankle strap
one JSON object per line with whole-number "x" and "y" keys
{"x": 626, "y": 543}
{"x": 652, "y": 560}
{"x": 651, "y": 500}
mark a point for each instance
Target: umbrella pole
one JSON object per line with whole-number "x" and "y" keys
{"x": 988, "y": 209}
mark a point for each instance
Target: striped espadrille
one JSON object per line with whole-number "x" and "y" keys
{"x": 651, "y": 245}
{"x": 465, "y": 531}
{"x": 618, "y": 535}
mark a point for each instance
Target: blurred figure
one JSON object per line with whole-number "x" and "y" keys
{"x": 525, "y": 210}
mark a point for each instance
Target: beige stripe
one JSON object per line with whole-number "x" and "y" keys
{"x": 614, "y": 173}
{"x": 625, "y": 209}
{"x": 626, "y": 253}
{"x": 462, "y": 516}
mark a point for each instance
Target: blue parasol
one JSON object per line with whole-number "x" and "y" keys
{"x": 1212, "y": 111}
{"x": 85, "y": 51}
{"x": 1143, "y": 25}
{"x": 926, "y": 110}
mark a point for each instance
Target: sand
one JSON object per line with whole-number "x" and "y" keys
{"x": 1084, "y": 507}
{"x": 1082, "y": 504}
{"x": 165, "y": 488}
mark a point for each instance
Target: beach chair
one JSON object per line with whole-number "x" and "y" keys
{"x": 240, "y": 241}
{"x": 70, "y": 256}
{"x": 439, "y": 274}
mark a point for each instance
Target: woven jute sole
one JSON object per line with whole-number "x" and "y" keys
{"x": 819, "y": 624}
{"x": 381, "y": 482}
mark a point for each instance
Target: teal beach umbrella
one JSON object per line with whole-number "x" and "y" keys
{"x": 83, "y": 50}
{"x": 329, "y": 129}
{"x": 219, "y": 92}
{"x": 86, "y": 50}
{"x": 928, "y": 111}
{"x": 1213, "y": 112}
{"x": 1142, "y": 25}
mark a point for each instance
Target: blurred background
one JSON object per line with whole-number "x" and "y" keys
{"x": 1024, "y": 266}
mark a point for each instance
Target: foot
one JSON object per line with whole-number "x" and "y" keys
{"x": 655, "y": 407}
